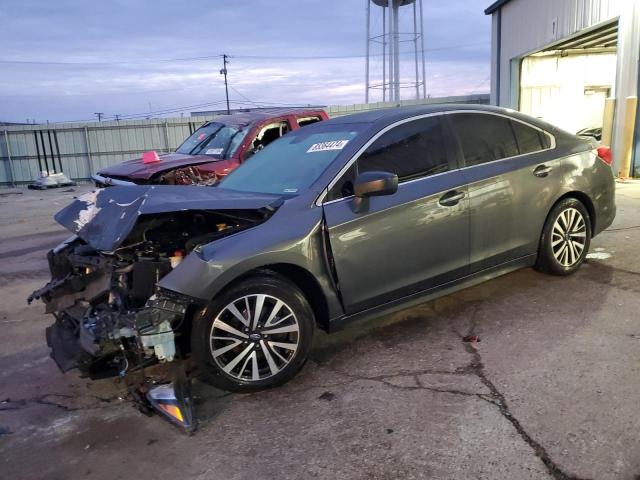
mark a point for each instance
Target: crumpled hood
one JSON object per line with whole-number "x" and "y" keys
{"x": 104, "y": 218}
{"x": 137, "y": 170}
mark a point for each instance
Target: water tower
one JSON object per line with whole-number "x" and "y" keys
{"x": 392, "y": 37}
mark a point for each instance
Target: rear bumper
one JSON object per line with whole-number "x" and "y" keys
{"x": 102, "y": 181}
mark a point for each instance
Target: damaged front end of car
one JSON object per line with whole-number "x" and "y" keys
{"x": 111, "y": 317}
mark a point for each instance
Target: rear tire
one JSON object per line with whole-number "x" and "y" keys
{"x": 256, "y": 335}
{"x": 565, "y": 238}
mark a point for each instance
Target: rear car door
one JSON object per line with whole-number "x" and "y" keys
{"x": 510, "y": 179}
{"x": 407, "y": 242}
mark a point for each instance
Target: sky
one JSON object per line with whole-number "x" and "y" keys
{"x": 65, "y": 60}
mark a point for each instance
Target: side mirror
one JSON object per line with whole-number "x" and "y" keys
{"x": 373, "y": 184}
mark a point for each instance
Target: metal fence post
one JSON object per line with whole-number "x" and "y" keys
{"x": 11, "y": 170}
{"x": 166, "y": 136}
{"x": 89, "y": 159}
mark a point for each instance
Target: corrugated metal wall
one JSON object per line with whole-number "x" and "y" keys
{"x": 85, "y": 148}
{"x": 528, "y": 25}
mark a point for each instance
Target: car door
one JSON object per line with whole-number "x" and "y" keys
{"x": 510, "y": 184}
{"x": 407, "y": 242}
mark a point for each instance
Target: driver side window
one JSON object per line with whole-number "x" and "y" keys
{"x": 415, "y": 149}
{"x": 412, "y": 150}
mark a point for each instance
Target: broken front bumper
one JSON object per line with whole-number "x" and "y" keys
{"x": 107, "y": 343}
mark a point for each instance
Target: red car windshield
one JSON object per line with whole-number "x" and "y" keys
{"x": 215, "y": 139}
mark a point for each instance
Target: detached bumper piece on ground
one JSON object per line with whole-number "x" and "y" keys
{"x": 174, "y": 402}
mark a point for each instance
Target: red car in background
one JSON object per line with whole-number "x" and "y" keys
{"x": 212, "y": 151}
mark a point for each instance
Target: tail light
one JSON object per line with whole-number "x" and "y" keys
{"x": 604, "y": 154}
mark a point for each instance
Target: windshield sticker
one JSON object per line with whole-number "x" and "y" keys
{"x": 324, "y": 146}
{"x": 214, "y": 151}
{"x": 290, "y": 190}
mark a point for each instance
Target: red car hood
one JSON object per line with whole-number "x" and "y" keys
{"x": 136, "y": 170}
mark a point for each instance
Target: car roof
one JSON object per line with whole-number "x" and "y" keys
{"x": 246, "y": 118}
{"x": 381, "y": 118}
{"x": 391, "y": 115}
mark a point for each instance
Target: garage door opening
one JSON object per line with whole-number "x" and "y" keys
{"x": 567, "y": 83}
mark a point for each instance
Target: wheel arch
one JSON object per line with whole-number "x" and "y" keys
{"x": 578, "y": 195}
{"x": 303, "y": 279}
{"x": 584, "y": 199}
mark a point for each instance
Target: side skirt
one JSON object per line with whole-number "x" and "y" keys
{"x": 439, "y": 291}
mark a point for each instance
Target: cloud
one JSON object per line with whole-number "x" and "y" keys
{"x": 113, "y": 55}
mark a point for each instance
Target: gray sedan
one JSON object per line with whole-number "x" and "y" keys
{"x": 341, "y": 220}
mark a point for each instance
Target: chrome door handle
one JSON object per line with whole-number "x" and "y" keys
{"x": 542, "y": 171}
{"x": 451, "y": 198}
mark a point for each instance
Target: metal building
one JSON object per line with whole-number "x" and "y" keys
{"x": 573, "y": 63}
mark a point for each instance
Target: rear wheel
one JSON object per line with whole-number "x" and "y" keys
{"x": 254, "y": 336}
{"x": 565, "y": 238}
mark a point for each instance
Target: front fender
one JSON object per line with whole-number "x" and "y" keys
{"x": 205, "y": 274}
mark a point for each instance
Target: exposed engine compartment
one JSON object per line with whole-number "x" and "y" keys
{"x": 191, "y": 175}
{"x": 111, "y": 318}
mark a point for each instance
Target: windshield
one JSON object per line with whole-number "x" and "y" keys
{"x": 215, "y": 139}
{"x": 293, "y": 162}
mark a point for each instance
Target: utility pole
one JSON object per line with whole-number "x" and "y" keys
{"x": 117, "y": 115}
{"x": 99, "y": 115}
{"x": 224, "y": 72}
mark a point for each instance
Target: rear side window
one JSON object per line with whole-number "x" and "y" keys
{"x": 529, "y": 139}
{"x": 304, "y": 121}
{"x": 484, "y": 137}
{"x": 412, "y": 150}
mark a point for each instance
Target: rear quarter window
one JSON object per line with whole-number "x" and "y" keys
{"x": 529, "y": 139}
{"x": 304, "y": 121}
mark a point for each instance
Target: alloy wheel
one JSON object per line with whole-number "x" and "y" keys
{"x": 254, "y": 337}
{"x": 568, "y": 237}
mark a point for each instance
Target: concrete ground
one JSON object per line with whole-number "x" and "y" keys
{"x": 551, "y": 390}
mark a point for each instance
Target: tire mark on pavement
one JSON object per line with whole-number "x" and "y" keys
{"x": 32, "y": 236}
{"x": 23, "y": 251}
{"x": 48, "y": 399}
{"x": 8, "y": 278}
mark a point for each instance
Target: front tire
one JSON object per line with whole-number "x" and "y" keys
{"x": 565, "y": 238}
{"x": 255, "y": 335}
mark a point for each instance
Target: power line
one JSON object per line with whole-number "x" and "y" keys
{"x": 134, "y": 116}
{"x": 333, "y": 57}
{"x": 247, "y": 57}
{"x": 235, "y": 90}
{"x": 475, "y": 89}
